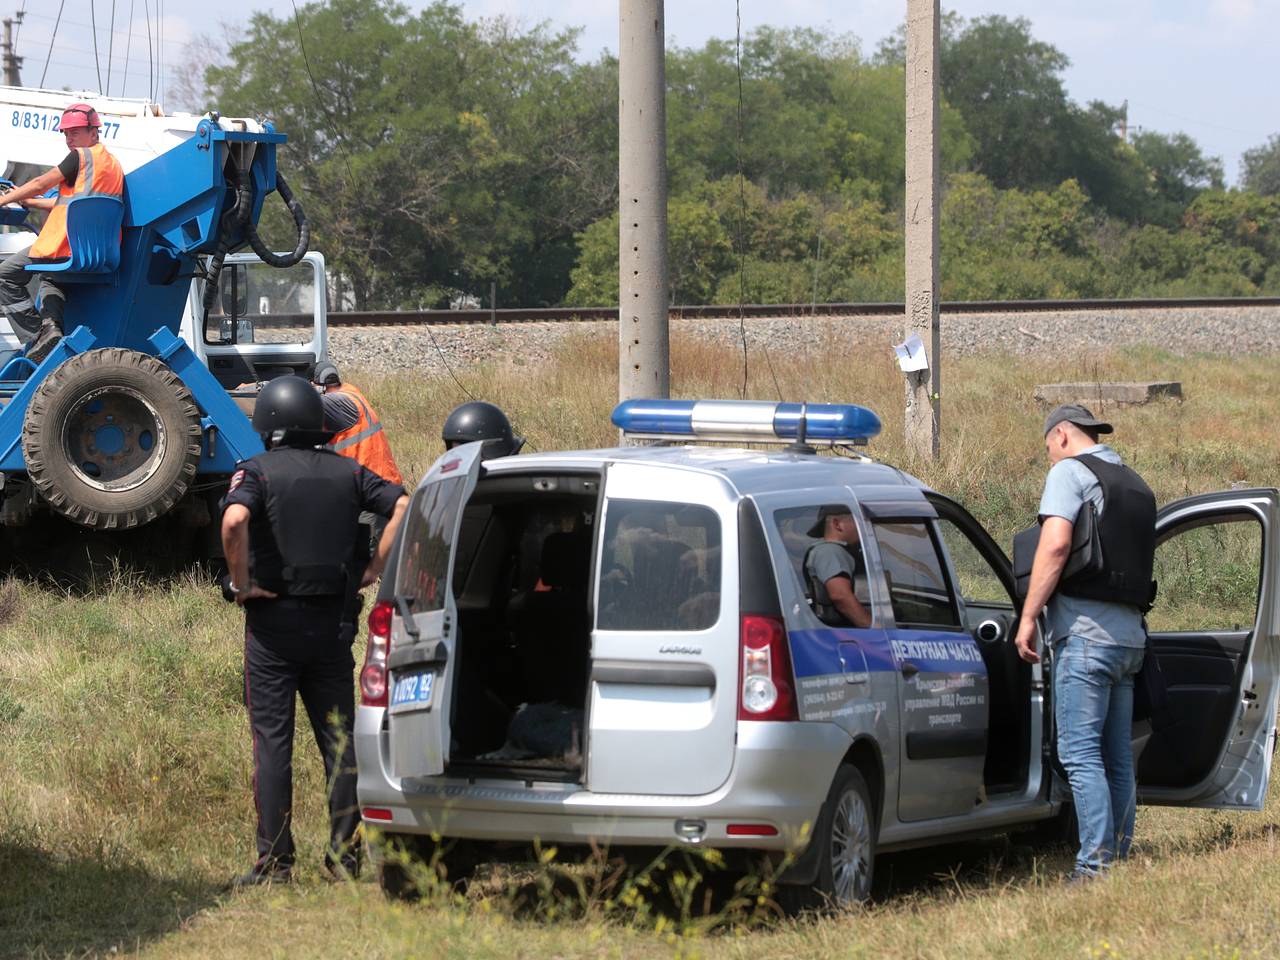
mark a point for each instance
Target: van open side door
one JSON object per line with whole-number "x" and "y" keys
{"x": 423, "y": 652}
{"x": 1215, "y": 636}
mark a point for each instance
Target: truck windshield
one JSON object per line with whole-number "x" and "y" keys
{"x": 257, "y": 303}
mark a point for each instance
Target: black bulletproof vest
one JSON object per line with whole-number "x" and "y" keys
{"x": 819, "y": 599}
{"x": 313, "y": 509}
{"x": 1127, "y": 529}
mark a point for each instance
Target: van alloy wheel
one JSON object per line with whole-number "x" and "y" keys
{"x": 851, "y": 849}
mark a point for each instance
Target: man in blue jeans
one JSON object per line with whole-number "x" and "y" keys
{"x": 1095, "y": 626}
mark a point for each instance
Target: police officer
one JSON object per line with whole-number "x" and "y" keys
{"x": 288, "y": 530}
{"x": 1095, "y": 625}
{"x": 832, "y": 567}
{"x": 481, "y": 420}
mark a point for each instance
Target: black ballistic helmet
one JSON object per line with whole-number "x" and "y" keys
{"x": 289, "y": 410}
{"x": 480, "y": 420}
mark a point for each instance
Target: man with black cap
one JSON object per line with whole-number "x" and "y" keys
{"x": 832, "y": 567}
{"x": 1095, "y": 626}
{"x": 289, "y": 527}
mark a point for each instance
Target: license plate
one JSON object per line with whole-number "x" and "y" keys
{"x": 413, "y": 691}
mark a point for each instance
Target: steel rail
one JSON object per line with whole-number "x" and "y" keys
{"x": 413, "y": 318}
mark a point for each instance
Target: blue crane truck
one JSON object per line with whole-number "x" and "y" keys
{"x": 123, "y": 421}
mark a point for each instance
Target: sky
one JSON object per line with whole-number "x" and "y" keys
{"x": 1205, "y": 68}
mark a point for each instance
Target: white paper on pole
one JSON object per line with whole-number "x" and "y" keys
{"x": 911, "y": 355}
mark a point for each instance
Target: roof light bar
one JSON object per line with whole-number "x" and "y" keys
{"x": 745, "y": 421}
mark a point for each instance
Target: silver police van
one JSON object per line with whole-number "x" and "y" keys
{"x": 619, "y": 647}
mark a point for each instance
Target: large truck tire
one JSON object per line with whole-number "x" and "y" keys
{"x": 112, "y": 439}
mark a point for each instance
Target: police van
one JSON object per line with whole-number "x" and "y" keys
{"x": 619, "y": 647}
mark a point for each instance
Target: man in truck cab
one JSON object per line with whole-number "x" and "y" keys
{"x": 87, "y": 170}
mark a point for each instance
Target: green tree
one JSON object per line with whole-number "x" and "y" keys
{"x": 1260, "y": 168}
{"x": 1179, "y": 172}
{"x": 434, "y": 154}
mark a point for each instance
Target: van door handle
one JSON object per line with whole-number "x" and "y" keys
{"x": 909, "y": 669}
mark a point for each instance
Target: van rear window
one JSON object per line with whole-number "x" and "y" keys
{"x": 660, "y": 567}
{"x": 423, "y": 569}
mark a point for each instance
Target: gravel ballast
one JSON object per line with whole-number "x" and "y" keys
{"x": 1235, "y": 330}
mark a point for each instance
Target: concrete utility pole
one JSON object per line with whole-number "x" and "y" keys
{"x": 643, "y": 338}
{"x": 12, "y": 62}
{"x": 924, "y": 386}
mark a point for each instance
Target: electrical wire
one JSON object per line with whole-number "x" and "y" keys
{"x": 93, "y": 17}
{"x": 22, "y": 13}
{"x": 342, "y": 151}
{"x": 742, "y": 220}
{"x": 128, "y": 45}
{"x": 151, "y": 70}
{"x": 111, "y": 43}
{"x": 52, "y": 37}
{"x": 742, "y": 211}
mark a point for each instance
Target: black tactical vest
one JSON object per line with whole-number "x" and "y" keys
{"x": 819, "y": 599}
{"x": 1127, "y": 529}
{"x": 313, "y": 508}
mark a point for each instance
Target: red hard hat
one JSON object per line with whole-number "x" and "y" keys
{"x": 79, "y": 115}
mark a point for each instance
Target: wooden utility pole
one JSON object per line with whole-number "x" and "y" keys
{"x": 12, "y": 62}
{"x": 643, "y": 338}
{"x": 923, "y": 386}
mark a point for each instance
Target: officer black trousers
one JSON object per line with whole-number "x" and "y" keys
{"x": 291, "y": 648}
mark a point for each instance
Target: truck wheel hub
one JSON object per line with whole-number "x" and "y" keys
{"x": 114, "y": 438}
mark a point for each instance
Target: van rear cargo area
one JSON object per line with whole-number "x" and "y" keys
{"x": 521, "y": 580}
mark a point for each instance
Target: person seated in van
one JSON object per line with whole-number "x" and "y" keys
{"x": 832, "y": 567}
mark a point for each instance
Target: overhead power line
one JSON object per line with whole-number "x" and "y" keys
{"x": 94, "y": 18}
{"x": 52, "y": 37}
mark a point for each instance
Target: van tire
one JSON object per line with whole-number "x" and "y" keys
{"x": 846, "y": 834}
{"x": 147, "y": 414}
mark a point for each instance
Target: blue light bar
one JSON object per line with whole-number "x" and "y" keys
{"x": 749, "y": 421}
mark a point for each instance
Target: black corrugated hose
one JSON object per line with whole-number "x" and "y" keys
{"x": 299, "y": 218}
{"x": 244, "y": 204}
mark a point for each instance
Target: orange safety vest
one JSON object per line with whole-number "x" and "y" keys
{"x": 100, "y": 175}
{"x": 365, "y": 442}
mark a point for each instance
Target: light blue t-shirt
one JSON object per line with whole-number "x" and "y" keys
{"x": 1066, "y": 488}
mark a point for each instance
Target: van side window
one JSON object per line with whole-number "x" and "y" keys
{"x": 660, "y": 567}
{"x": 794, "y": 525}
{"x": 428, "y": 537}
{"x": 918, "y": 584}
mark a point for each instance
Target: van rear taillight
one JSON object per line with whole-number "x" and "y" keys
{"x": 373, "y": 675}
{"x": 765, "y": 692}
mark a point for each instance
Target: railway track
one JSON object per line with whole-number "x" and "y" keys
{"x": 412, "y": 318}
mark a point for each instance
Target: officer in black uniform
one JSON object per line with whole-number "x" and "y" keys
{"x": 481, "y": 420}
{"x": 288, "y": 530}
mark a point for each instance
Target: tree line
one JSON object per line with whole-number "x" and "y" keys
{"x": 437, "y": 154}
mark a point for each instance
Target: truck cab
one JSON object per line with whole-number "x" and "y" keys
{"x": 113, "y": 427}
{"x": 619, "y": 647}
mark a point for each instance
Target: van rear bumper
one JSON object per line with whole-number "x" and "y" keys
{"x": 780, "y": 776}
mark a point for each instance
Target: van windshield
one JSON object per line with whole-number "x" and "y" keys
{"x": 660, "y": 567}
{"x": 428, "y": 536}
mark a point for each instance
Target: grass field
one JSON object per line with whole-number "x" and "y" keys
{"x": 124, "y": 778}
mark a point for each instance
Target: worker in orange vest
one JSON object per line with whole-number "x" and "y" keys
{"x": 88, "y": 169}
{"x": 358, "y": 434}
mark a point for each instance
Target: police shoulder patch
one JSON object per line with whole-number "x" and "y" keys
{"x": 237, "y": 478}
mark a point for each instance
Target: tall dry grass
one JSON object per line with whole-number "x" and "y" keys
{"x": 124, "y": 774}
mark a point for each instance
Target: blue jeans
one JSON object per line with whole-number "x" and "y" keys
{"x": 1093, "y": 705}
